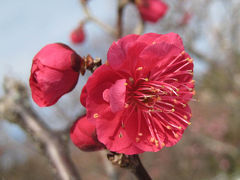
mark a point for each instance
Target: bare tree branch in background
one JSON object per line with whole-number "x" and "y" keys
{"x": 15, "y": 107}
{"x": 111, "y": 31}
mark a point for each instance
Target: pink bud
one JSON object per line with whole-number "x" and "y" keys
{"x": 78, "y": 35}
{"x": 151, "y": 10}
{"x": 83, "y": 96}
{"x": 186, "y": 18}
{"x": 55, "y": 72}
{"x": 83, "y": 135}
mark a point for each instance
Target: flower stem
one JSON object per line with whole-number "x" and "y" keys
{"x": 140, "y": 172}
{"x": 131, "y": 162}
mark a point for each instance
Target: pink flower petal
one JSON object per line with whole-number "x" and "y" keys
{"x": 117, "y": 52}
{"x": 83, "y": 135}
{"x": 83, "y": 96}
{"x": 117, "y": 95}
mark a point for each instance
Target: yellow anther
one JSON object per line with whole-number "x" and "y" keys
{"x": 162, "y": 144}
{"x": 176, "y": 135}
{"x": 193, "y": 81}
{"x": 95, "y": 115}
{"x": 125, "y": 84}
{"x": 131, "y": 79}
{"x": 189, "y": 123}
{"x": 183, "y": 52}
{"x": 159, "y": 98}
{"x": 194, "y": 92}
{"x": 151, "y": 110}
{"x": 137, "y": 139}
{"x": 175, "y": 101}
{"x": 168, "y": 127}
{"x": 152, "y": 139}
{"x": 185, "y": 117}
{"x": 146, "y": 79}
{"x": 126, "y": 105}
{"x": 190, "y": 72}
{"x": 173, "y": 110}
{"x": 139, "y": 68}
{"x": 177, "y": 90}
{"x": 159, "y": 110}
{"x": 140, "y": 134}
{"x": 184, "y": 105}
{"x": 120, "y": 135}
{"x": 190, "y": 60}
{"x": 190, "y": 115}
{"x": 179, "y": 127}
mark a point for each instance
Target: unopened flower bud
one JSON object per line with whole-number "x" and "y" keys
{"x": 78, "y": 36}
{"x": 55, "y": 72}
{"x": 151, "y": 10}
{"x": 83, "y": 135}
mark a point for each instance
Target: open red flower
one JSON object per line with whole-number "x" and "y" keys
{"x": 151, "y": 10}
{"x": 83, "y": 135}
{"x": 78, "y": 36}
{"x": 139, "y": 98}
{"x": 55, "y": 72}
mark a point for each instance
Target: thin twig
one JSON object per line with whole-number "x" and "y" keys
{"x": 92, "y": 18}
{"x": 140, "y": 27}
{"x": 121, "y": 5}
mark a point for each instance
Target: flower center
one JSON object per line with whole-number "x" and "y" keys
{"x": 160, "y": 99}
{"x": 151, "y": 96}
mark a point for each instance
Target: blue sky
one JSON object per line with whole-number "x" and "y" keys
{"x": 26, "y": 26}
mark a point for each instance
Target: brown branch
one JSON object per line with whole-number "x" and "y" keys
{"x": 15, "y": 107}
{"x": 140, "y": 172}
{"x": 131, "y": 162}
{"x": 140, "y": 27}
{"x": 94, "y": 19}
{"x": 121, "y": 5}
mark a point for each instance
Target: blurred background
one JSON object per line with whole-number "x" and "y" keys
{"x": 210, "y": 29}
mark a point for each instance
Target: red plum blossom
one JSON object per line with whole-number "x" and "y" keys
{"x": 139, "y": 98}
